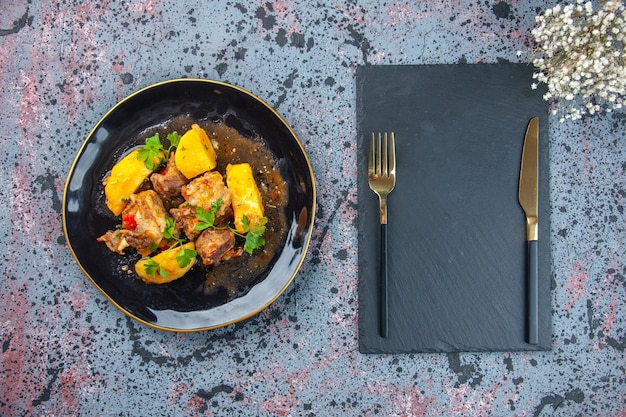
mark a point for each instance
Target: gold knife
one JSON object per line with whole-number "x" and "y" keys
{"x": 528, "y": 199}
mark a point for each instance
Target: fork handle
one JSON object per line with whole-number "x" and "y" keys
{"x": 384, "y": 307}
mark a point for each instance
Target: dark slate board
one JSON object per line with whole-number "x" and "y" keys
{"x": 457, "y": 248}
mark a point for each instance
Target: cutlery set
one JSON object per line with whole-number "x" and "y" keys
{"x": 381, "y": 173}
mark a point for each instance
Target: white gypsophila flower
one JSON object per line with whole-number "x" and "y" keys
{"x": 579, "y": 55}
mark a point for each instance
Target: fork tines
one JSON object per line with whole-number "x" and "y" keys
{"x": 381, "y": 170}
{"x": 384, "y": 152}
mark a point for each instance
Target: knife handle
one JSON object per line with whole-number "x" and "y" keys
{"x": 533, "y": 293}
{"x": 384, "y": 309}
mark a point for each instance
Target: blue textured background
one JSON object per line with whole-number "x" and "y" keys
{"x": 65, "y": 350}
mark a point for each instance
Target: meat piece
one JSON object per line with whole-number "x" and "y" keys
{"x": 212, "y": 244}
{"x": 206, "y": 190}
{"x": 143, "y": 223}
{"x": 232, "y": 254}
{"x": 185, "y": 220}
{"x": 115, "y": 240}
{"x": 170, "y": 181}
{"x": 146, "y": 208}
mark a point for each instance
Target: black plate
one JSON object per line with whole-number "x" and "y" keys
{"x": 182, "y": 305}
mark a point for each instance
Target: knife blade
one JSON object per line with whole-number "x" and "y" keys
{"x": 528, "y": 196}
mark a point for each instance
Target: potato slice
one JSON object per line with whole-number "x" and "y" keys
{"x": 246, "y": 198}
{"x": 195, "y": 153}
{"x": 126, "y": 176}
{"x": 167, "y": 261}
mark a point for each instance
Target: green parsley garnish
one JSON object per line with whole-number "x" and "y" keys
{"x": 153, "y": 266}
{"x": 254, "y": 235}
{"x": 207, "y": 217}
{"x": 153, "y": 147}
{"x": 170, "y": 227}
{"x": 150, "y": 151}
{"x": 173, "y": 138}
{"x": 185, "y": 257}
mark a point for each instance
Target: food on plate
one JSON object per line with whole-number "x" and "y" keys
{"x": 212, "y": 206}
{"x": 206, "y": 190}
{"x": 167, "y": 265}
{"x": 170, "y": 181}
{"x": 125, "y": 178}
{"x": 203, "y": 192}
{"x": 213, "y": 244}
{"x": 246, "y": 197}
{"x": 195, "y": 153}
{"x": 143, "y": 225}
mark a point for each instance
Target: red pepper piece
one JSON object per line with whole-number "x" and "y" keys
{"x": 129, "y": 222}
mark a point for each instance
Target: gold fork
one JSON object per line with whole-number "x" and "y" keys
{"x": 381, "y": 174}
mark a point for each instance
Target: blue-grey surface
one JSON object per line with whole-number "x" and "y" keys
{"x": 67, "y": 351}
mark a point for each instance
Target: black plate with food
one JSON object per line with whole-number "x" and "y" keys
{"x": 110, "y": 234}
